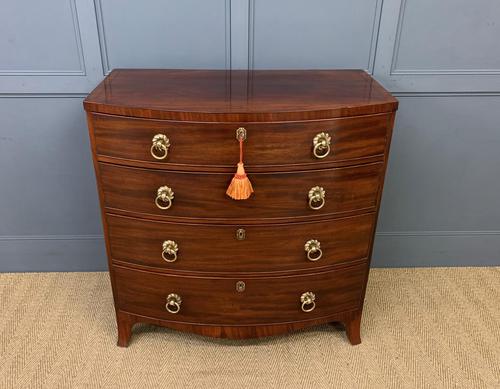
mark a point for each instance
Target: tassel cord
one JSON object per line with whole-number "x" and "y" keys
{"x": 241, "y": 150}
{"x": 240, "y": 187}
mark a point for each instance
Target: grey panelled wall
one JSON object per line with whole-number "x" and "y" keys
{"x": 441, "y": 204}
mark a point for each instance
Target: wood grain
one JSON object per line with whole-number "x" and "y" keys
{"x": 215, "y": 300}
{"x": 199, "y": 111}
{"x": 270, "y": 145}
{"x": 277, "y": 195}
{"x": 215, "y": 248}
{"x": 239, "y": 95}
{"x": 230, "y": 331}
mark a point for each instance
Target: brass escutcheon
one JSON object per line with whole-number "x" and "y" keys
{"x": 240, "y": 234}
{"x": 241, "y": 134}
{"x": 240, "y": 286}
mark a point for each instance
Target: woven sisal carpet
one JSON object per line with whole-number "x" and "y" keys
{"x": 422, "y": 328}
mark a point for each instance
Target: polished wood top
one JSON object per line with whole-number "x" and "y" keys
{"x": 239, "y": 95}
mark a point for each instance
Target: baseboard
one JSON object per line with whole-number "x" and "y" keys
{"x": 436, "y": 248}
{"x": 392, "y": 249}
{"x": 52, "y": 253}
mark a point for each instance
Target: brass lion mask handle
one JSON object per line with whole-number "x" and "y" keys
{"x": 174, "y": 302}
{"x": 308, "y": 301}
{"x": 321, "y": 145}
{"x": 164, "y": 197}
{"x": 160, "y": 146}
{"x": 316, "y": 198}
{"x": 170, "y": 249}
{"x": 313, "y": 250}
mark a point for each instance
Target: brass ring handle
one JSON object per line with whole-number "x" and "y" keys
{"x": 174, "y": 302}
{"x": 164, "y": 195}
{"x": 308, "y": 301}
{"x": 313, "y": 250}
{"x": 169, "y": 253}
{"x": 321, "y": 145}
{"x": 316, "y": 198}
{"x": 160, "y": 145}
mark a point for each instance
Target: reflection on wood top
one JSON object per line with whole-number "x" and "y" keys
{"x": 239, "y": 95}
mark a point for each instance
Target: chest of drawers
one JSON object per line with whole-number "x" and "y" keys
{"x": 296, "y": 253}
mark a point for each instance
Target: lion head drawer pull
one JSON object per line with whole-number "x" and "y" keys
{"x": 313, "y": 250}
{"x": 316, "y": 198}
{"x": 308, "y": 301}
{"x": 174, "y": 302}
{"x": 170, "y": 249}
{"x": 159, "y": 148}
{"x": 321, "y": 145}
{"x": 164, "y": 197}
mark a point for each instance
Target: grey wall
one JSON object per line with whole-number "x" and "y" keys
{"x": 441, "y": 204}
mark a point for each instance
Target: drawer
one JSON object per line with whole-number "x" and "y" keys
{"x": 277, "y": 195}
{"x": 212, "y": 300}
{"x": 284, "y": 143}
{"x": 240, "y": 248}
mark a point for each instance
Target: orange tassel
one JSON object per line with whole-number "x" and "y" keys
{"x": 240, "y": 187}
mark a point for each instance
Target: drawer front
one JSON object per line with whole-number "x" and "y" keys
{"x": 277, "y": 195}
{"x": 282, "y": 143}
{"x": 236, "y": 300}
{"x": 257, "y": 248}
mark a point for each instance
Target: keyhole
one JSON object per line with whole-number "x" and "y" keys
{"x": 240, "y": 234}
{"x": 240, "y": 286}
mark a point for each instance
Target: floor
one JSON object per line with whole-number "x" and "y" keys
{"x": 422, "y": 328}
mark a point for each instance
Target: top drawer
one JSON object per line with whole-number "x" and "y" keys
{"x": 130, "y": 141}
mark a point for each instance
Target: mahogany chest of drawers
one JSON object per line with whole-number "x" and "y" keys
{"x": 185, "y": 255}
